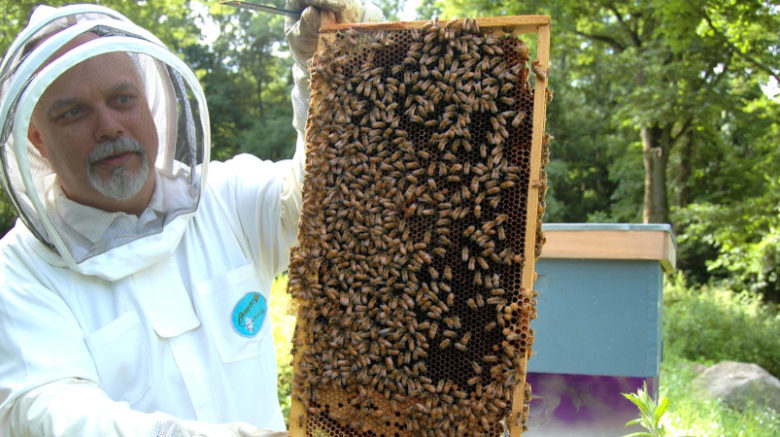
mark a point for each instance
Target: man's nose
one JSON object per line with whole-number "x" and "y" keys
{"x": 108, "y": 125}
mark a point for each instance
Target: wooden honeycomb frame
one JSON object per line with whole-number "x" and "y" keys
{"x": 320, "y": 409}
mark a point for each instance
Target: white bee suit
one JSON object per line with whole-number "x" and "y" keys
{"x": 121, "y": 325}
{"x": 159, "y": 338}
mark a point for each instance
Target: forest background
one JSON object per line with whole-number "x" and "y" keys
{"x": 664, "y": 111}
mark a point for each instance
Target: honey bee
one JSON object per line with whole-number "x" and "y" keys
{"x": 449, "y": 333}
{"x": 540, "y": 72}
{"x": 513, "y": 337}
{"x": 433, "y": 330}
{"x": 497, "y": 292}
{"x": 478, "y": 278}
{"x": 490, "y": 359}
{"x": 495, "y": 300}
{"x": 448, "y": 272}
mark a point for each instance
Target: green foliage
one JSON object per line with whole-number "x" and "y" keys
{"x": 390, "y": 8}
{"x": 650, "y": 413}
{"x": 711, "y": 324}
{"x": 731, "y": 233}
{"x": 245, "y": 74}
{"x": 169, "y": 20}
{"x": 7, "y": 213}
{"x": 745, "y": 239}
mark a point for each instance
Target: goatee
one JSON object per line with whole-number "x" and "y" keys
{"x": 122, "y": 183}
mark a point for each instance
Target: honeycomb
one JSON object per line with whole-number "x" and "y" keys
{"x": 417, "y": 225}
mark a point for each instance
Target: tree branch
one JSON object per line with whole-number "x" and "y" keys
{"x": 760, "y": 65}
{"x": 631, "y": 32}
{"x": 603, "y": 38}
{"x": 686, "y": 125}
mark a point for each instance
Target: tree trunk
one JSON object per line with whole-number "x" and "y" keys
{"x": 656, "y": 142}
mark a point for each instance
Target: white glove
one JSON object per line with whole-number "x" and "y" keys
{"x": 191, "y": 428}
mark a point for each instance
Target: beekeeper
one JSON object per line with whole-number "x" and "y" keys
{"x": 134, "y": 289}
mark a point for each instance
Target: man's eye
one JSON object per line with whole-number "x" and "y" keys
{"x": 124, "y": 99}
{"x": 70, "y": 114}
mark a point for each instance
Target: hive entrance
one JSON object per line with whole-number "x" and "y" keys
{"x": 419, "y": 231}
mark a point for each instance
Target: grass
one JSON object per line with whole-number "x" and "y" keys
{"x": 687, "y": 415}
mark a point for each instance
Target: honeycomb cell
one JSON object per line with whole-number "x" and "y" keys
{"x": 408, "y": 274}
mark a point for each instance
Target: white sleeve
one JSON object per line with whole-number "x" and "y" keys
{"x": 292, "y": 197}
{"x": 77, "y": 408}
{"x": 292, "y": 189}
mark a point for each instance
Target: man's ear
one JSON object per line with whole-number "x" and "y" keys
{"x": 35, "y": 138}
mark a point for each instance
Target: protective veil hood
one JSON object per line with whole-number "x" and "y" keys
{"x": 177, "y": 106}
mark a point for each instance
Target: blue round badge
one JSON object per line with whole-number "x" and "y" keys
{"x": 249, "y": 313}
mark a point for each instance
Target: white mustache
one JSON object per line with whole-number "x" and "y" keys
{"x": 110, "y": 148}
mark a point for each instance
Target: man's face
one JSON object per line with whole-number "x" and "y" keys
{"x": 94, "y": 126}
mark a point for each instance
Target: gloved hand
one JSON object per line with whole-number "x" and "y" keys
{"x": 191, "y": 428}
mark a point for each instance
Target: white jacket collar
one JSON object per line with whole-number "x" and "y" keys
{"x": 81, "y": 223}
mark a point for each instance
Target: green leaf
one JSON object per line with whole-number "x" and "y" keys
{"x": 660, "y": 410}
{"x": 634, "y": 422}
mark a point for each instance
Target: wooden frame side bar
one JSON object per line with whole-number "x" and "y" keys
{"x": 537, "y": 136}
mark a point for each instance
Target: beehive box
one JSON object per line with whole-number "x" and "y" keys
{"x": 420, "y": 228}
{"x": 599, "y": 331}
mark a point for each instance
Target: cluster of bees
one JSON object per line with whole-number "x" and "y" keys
{"x": 412, "y": 316}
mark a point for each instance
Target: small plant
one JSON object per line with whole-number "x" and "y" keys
{"x": 650, "y": 413}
